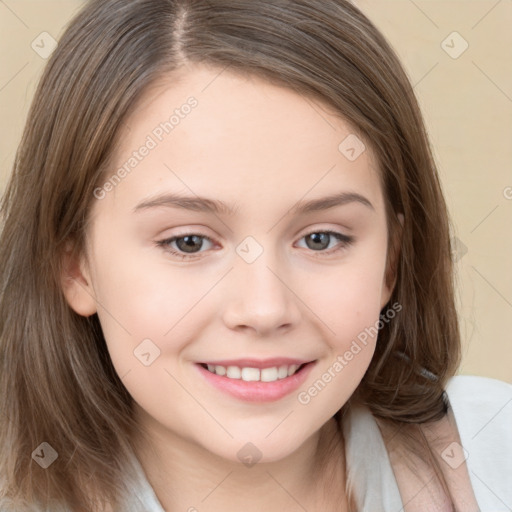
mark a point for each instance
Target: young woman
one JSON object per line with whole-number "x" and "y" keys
{"x": 226, "y": 276}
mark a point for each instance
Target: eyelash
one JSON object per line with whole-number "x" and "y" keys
{"x": 344, "y": 239}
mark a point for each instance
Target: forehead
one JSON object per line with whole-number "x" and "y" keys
{"x": 213, "y": 132}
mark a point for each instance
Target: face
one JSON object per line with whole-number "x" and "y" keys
{"x": 271, "y": 274}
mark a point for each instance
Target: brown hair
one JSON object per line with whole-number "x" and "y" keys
{"x": 57, "y": 383}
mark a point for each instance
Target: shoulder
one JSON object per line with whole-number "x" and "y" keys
{"x": 484, "y": 388}
{"x": 482, "y": 408}
{"x": 476, "y": 399}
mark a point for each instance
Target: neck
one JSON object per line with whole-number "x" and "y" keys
{"x": 184, "y": 475}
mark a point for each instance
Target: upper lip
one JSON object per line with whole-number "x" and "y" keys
{"x": 258, "y": 363}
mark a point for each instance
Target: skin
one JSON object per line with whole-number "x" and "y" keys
{"x": 261, "y": 149}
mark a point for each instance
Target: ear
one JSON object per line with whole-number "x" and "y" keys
{"x": 393, "y": 257}
{"x": 76, "y": 282}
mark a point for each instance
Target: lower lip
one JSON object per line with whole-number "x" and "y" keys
{"x": 257, "y": 391}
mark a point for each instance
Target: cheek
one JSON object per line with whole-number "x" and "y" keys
{"x": 140, "y": 301}
{"x": 154, "y": 312}
{"x": 347, "y": 298}
{"x": 143, "y": 297}
{"x": 347, "y": 304}
{"x": 349, "y": 308}
{"x": 347, "y": 301}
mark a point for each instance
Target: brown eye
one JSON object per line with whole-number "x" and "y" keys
{"x": 187, "y": 246}
{"x": 189, "y": 243}
{"x": 318, "y": 241}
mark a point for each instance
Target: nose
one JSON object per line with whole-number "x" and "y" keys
{"x": 260, "y": 297}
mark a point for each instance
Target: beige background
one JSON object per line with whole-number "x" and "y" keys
{"x": 467, "y": 103}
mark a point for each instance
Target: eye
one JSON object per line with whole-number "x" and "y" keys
{"x": 188, "y": 245}
{"x": 318, "y": 241}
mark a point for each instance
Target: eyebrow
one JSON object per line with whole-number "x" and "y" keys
{"x": 204, "y": 204}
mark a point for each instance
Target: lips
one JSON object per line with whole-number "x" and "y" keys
{"x": 256, "y": 391}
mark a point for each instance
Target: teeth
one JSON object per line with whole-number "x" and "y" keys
{"x": 254, "y": 374}
{"x": 292, "y": 369}
{"x": 220, "y": 370}
{"x": 250, "y": 374}
{"x": 282, "y": 372}
{"x": 233, "y": 372}
{"x": 269, "y": 374}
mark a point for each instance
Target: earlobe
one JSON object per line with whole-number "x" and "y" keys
{"x": 76, "y": 283}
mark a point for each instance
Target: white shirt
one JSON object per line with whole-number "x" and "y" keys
{"x": 482, "y": 408}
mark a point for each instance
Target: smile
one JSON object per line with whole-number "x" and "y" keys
{"x": 255, "y": 384}
{"x": 249, "y": 374}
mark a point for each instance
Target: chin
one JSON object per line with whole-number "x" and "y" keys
{"x": 250, "y": 450}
